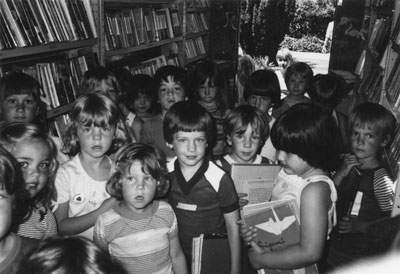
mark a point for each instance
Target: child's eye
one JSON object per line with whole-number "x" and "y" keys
{"x": 106, "y": 128}
{"x": 44, "y": 165}
{"x": 239, "y": 136}
{"x": 181, "y": 140}
{"x": 86, "y": 129}
{"x": 23, "y": 164}
{"x": 201, "y": 140}
{"x": 29, "y": 102}
{"x": 255, "y": 138}
{"x": 149, "y": 179}
{"x": 11, "y": 101}
{"x": 370, "y": 136}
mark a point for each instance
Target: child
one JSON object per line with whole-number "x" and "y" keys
{"x": 246, "y": 67}
{"x": 80, "y": 182}
{"x": 208, "y": 84}
{"x": 246, "y": 128}
{"x": 14, "y": 206}
{"x": 327, "y": 90}
{"x": 170, "y": 86}
{"x": 202, "y": 194}
{"x": 306, "y": 142}
{"x": 103, "y": 81}
{"x": 139, "y": 231}
{"x": 20, "y": 100}
{"x": 140, "y": 96}
{"x": 36, "y": 155}
{"x": 262, "y": 91}
{"x": 298, "y": 79}
{"x": 69, "y": 255}
{"x": 284, "y": 59}
{"x": 367, "y": 197}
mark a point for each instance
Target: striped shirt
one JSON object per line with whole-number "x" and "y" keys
{"x": 39, "y": 226}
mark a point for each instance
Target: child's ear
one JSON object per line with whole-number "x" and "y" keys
{"x": 169, "y": 145}
{"x": 385, "y": 141}
{"x": 228, "y": 140}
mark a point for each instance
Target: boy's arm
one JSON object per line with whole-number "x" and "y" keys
{"x": 234, "y": 239}
{"x": 177, "y": 256}
{"x": 75, "y": 225}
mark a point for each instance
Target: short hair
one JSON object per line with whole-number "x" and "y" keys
{"x": 14, "y": 133}
{"x": 99, "y": 110}
{"x": 263, "y": 83}
{"x": 136, "y": 85}
{"x": 188, "y": 116}
{"x": 310, "y": 132}
{"x": 208, "y": 69}
{"x": 152, "y": 160}
{"x": 178, "y": 74}
{"x": 94, "y": 76}
{"x": 302, "y": 69}
{"x": 12, "y": 181}
{"x": 373, "y": 115}
{"x": 69, "y": 254}
{"x": 18, "y": 83}
{"x": 327, "y": 90}
{"x": 242, "y": 116}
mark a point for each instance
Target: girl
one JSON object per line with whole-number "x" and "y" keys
{"x": 14, "y": 204}
{"x": 80, "y": 182}
{"x": 36, "y": 155}
{"x": 306, "y": 139}
{"x": 140, "y": 97}
{"x": 209, "y": 86}
{"x": 170, "y": 86}
{"x": 138, "y": 220}
{"x": 284, "y": 58}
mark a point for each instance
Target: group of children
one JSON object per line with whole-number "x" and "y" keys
{"x": 144, "y": 166}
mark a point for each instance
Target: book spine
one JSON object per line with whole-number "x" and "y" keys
{"x": 12, "y": 21}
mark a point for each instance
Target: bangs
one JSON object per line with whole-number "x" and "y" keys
{"x": 97, "y": 119}
{"x": 243, "y": 124}
{"x": 148, "y": 161}
{"x": 191, "y": 124}
{"x": 21, "y": 91}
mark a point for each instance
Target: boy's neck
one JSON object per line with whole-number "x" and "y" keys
{"x": 295, "y": 97}
{"x": 369, "y": 163}
{"x": 189, "y": 171}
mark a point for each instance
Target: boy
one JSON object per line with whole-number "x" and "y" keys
{"x": 365, "y": 190}
{"x": 298, "y": 78}
{"x": 170, "y": 85}
{"x": 246, "y": 128}
{"x": 202, "y": 195}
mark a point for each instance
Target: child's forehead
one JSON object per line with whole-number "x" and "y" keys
{"x": 170, "y": 80}
{"x": 358, "y": 125}
{"x": 189, "y": 134}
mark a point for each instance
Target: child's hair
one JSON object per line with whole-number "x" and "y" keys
{"x": 284, "y": 53}
{"x": 93, "y": 77}
{"x": 246, "y": 67}
{"x": 242, "y": 116}
{"x": 310, "y": 132}
{"x": 98, "y": 110}
{"x": 69, "y": 254}
{"x": 12, "y": 181}
{"x": 139, "y": 84}
{"x": 152, "y": 160}
{"x": 188, "y": 116}
{"x": 13, "y": 134}
{"x": 327, "y": 90}
{"x": 18, "y": 83}
{"x": 301, "y": 69}
{"x": 208, "y": 69}
{"x": 373, "y": 115}
{"x": 263, "y": 83}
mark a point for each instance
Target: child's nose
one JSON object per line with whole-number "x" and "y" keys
{"x": 96, "y": 133}
{"x": 20, "y": 106}
{"x": 33, "y": 173}
{"x": 360, "y": 139}
{"x": 247, "y": 142}
{"x": 192, "y": 146}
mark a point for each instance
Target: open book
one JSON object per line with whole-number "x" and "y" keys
{"x": 278, "y": 228}
{"x": 255, "y": 180}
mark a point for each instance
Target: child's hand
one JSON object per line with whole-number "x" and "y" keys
{"x": 348, "y": 162}
{"x": 256, "y": 254}
{"x": 242, "y": 202}
{"x": 351, "y": 225}
{"x": 247, "y": 233}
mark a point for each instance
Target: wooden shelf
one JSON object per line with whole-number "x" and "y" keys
{"x": 58, "y": 111}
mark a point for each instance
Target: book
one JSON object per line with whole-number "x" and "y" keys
{"x": 255, "y": 180}
{"x": 211, "y": 254}
{"x": 278, "y": 228}
{"x": 13, "y": 23}
{"x": 40, "y": 26}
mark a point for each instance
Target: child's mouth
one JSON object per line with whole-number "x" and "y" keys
{"x": 31, "y": 185}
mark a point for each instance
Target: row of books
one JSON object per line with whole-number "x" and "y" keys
{"x": 395, "y": 36}
{"x": 372, "y": 84}
{"x": 194, "y": 47}
{"x": 198, "y": 3}
{"x": 150, "y": 66}
{"x": 380, "y": 3}
{"x": 131, "y": 27}
{"x": 392, "y": 83}
{"x": 196, "y": 22}
{"x": 379, "y": 36}
{"x": 34, "y": 22}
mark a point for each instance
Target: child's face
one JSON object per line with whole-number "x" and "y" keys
{"x": 169, "y": 93}
{"x": 190, "y": 148}
{"x": 95, "y": 141}
{"x": 244, "y": 146}
{"x": 292, "y": 163}
{"x": 19, "y": 108}
{"x": 34, "y": 159}
{"x": 142, "y": 103}
{"x": 207, "y": 94}
{"x": 106, "y": 89}
{"x": 366, "y": 142}
{"x": 282, "y": 61}
{"x": 296, "y": 85}
{"x": 6, "y": 205}
{"x": 263, "y": 103}
{"x": 138, "y": 188}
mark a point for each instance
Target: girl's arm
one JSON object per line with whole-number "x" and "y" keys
{"x": 234, "y": 239}
{"x": 177, "y": 256}
{"x": 75, "y": 225}
{"x": 315, "y": 204}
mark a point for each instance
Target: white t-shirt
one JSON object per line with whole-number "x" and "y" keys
{"x": 268, "y": 149}
{"x": 83, "y": 193}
